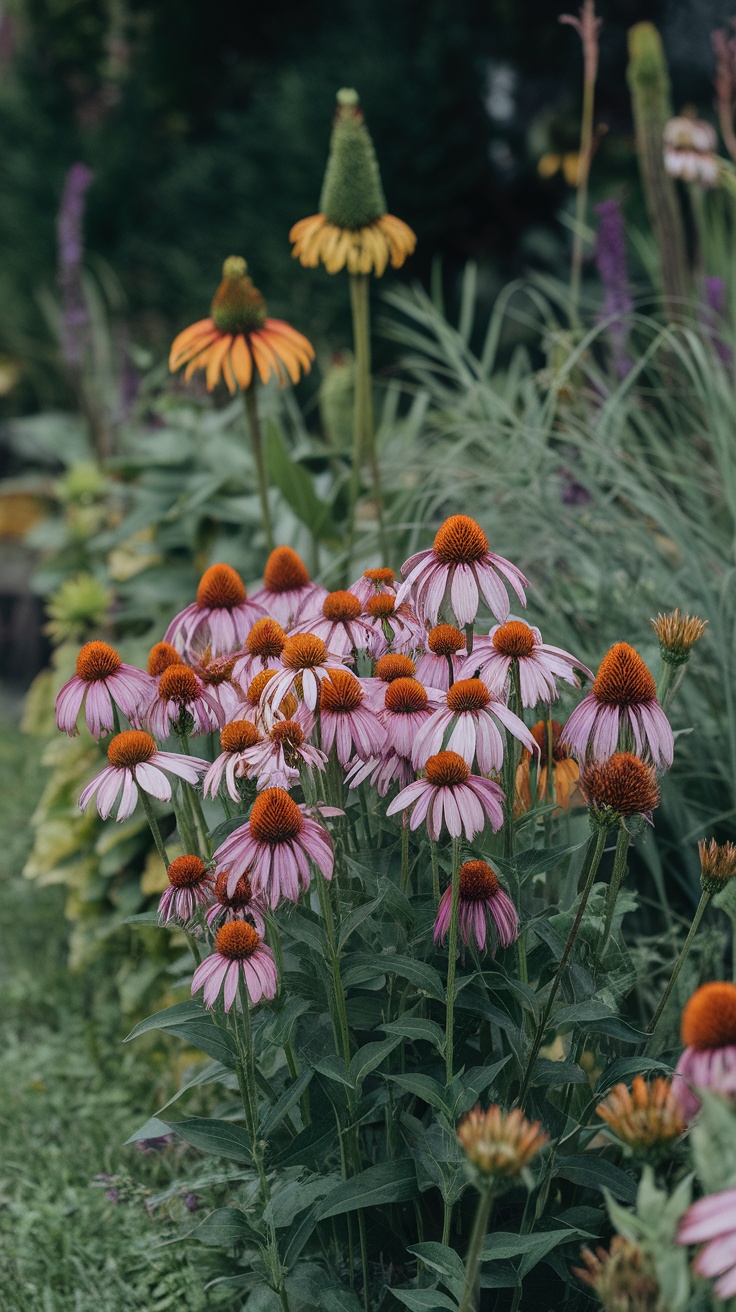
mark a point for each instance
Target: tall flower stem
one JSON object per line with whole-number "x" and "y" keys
{"x": 617, "y": 876}
{"x": 435, "y": 872}
{"x": 246, "y": 1072}
{"x": 587, "y": 27}
{"x": 404, "y": 880}
{"x": 593, "y": 854}
{"x": 702, "y": 904}
{"x": 254, "y": 429}
{"x": 509, "y": 765}
{"x": 153, "y": 823}
{"x": 342, "y": 1033}
{"x": 364, "y": 444}
{"x": 452, "y": 962}
{"x": 469, "y": 1297}
{"x": 192, "y": 800}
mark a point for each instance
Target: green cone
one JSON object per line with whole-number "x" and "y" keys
{"x": 352, "y": 195}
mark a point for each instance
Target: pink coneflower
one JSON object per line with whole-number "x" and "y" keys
{"x": 339, "y": 623}
{"x": 449, "y": 793}
{"x": 217, "y": 675}
{"x": 709, "y": 1033}
{"x": 539, "y": 664}
{"x": 275, "y": 848}
{"x": 372, "y": 583}
{"x": 482, "y": 903}
{"x": 101, "y": 680}
{"x": 221, "y": 617}
{"x": 191, "y": 885}
{"x": 136, "y": 762}
{"x": 263, "y": 648}
{"x": 460, "y": 563}
{"x": 470, "y": 716}
{"x": 182, "y": 702}
{"x": 305, "y": 662}
{"x": 253, "y": 707}
{"x": 238, "y": 905}
{"x": 277, "y": 759}
{"x": 287, "y": 587}
{"x": 446, "y": 648}
{"x": 407, "y": 706}
{"x": 161, "y": 655}
{"x": 623, "y": 699}
{"x": 394, "y": 627}
{"x": 387, "y": 669}
{"x": 239, "y": 950}
{"x": 381, "y": 772}
{"x": 712, "y": 1221}
{"x": 346, "y": 721}
{"x": 232, "y": 763}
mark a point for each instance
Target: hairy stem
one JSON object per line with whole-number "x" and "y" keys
{"x": 254, "y": 429}
{"x": 593, "y": 855}
{"x": 470, "y": 1294}
{"x": 702, "y": 904}
{"x": 452, "y": 962}
{"x": 153, "y": 822}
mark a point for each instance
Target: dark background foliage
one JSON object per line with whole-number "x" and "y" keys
{"x": 207, "y": 127}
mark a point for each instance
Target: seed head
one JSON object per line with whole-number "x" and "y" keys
{"x": 498, "y": 1143}
{"x": 677, "y": 635}
{"x": 620, "y": 787}
{"x": 648, "y": 1119}
{"x": 717, "y": 864}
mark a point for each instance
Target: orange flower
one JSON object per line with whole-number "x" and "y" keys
{"x": 565, "y": 771}
{"x": 238, "y": 336}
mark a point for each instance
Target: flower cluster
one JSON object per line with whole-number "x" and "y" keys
{"x": 311, "y": 694}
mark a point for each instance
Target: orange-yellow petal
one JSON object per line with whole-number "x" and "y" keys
{"x": 261, "y": 358}
{"x": 191, "y": 335}
{"x": 242, "y": 361}
{"x": 227, "y": 373}
{"x": 216, "y": 356}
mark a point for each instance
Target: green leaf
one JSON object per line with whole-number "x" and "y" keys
{"x": 311, "y": 1145}
{"x": 355, "y": 920}
{"x": 290, "y": 1197}
{"x": 389, "y": 1182}
{"x": 221, "y": 1138}
{"x": 339, "y": 1300}
{"x": 579, "y": 1013}
{"x": 551, "y": 1074}
{"x": 283, "y": 1106}
{"x": 533, "y": 1248}
{"x": 369, "y": 1057}
{"x": 153, "y": 1129}
{"x": 424, "y": 1087}
{"x": 295, "y": 485}
{"x": 713, "y": 1139}
{"x": 535, "y": 861}
{"x": 626, "y": 1067}
{"x": 213, "y": 1073}
{"x": 417, "y": 1027}
{"x": 424, "y": 1300}
{"x": 223, "y": 1228}
{"x": 142, "y": 918}
{"x": 596, "y": 1173}
{"x": 424, "y": 977}
{"x": 445, "y": 1261}
{"x": 188, "y": 1021}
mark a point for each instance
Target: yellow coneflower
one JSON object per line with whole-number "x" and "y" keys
{"x": 352, "y": 230}
{"x": 238, "y": 338}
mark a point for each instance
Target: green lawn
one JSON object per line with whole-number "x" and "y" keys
{"x": 70, "y": 1094}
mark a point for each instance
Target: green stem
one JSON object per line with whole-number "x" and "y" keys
{"x": 435, "y": 872}
{"x": 702, "y": 904}
{"x": 509, "y": 765}
{"x": 470, "y": 1295}
{"x": 451, "y": 964}
{"x": 254, "y": 428}
{"x": 617, "y": 876}
{"x": 364, "y": 445}
{"x": 581, "y": 198}
{"x": 115, "y": 718}
{"x": 153, "y": 822}
{"x": 192, "y": 797}
{"x": 404, "y": 880}
{"x": 342, "y": 1036}
{"x": 592, "y": 860}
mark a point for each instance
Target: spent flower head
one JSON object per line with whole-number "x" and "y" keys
{"x": 623, "y": 1278}
{"x": 677, "y": 635}
{"x": 620, "y": 788}
{"x": 648, "y": 1118}
{"x": 497, "y": 1144}
{"x": 717, "y": 864}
